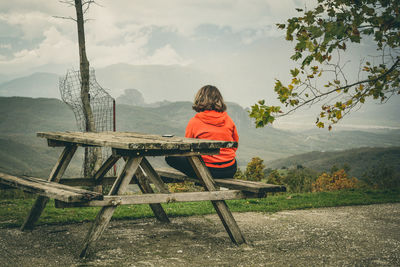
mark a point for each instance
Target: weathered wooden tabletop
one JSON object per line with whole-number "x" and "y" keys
{"x": 135, "y": 141}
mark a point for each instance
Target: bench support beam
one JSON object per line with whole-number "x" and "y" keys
{"x": 55, "y": 176}
{"x": 220, "y": 205}
{"x": 144, "y": 186}
{"x": 104, "y": 216}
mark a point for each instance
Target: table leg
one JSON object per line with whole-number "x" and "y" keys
{"x": 101, "y": 172}
{"x": 104, "y": 216}
{"x": 145, "y": 187}
{"x": 153, "y": 176}
{"x": 55, "y": 176}
{"x": 220, "y": 205}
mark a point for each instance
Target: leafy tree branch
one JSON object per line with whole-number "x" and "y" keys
{"x": 321, "y": 36}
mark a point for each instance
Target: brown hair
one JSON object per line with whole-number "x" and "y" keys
{"x": 209, "y": 98}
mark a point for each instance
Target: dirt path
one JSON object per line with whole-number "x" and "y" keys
{"x": 359, "y": 235}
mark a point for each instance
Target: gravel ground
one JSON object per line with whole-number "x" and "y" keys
{"x": 342, "y": 236}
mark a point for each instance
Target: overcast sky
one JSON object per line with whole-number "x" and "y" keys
{"x": 236, "y": 41}
{"x": 136, "y": 32}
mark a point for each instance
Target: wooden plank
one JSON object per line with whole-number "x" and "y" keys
{"x": 195, "y": 142}
{"x": 248, "y": 186}
{"x": 145, "y": 187}
{"x": 55, "y": 176}
{"x": 172, "y": 152}
{"x": 159, "y": 198}
{"x": 134, "y": 141}
{"x": 173, "y": 175}
{"x": 49, "y": 189}
{"x": 79, "y": 181}
{"x": 108, "y": 180}
{"x": 58, "y": 185}
{"x": 113, "y": 140}
{"x": 220, "y": 206}
{"x": 105, "y": 214}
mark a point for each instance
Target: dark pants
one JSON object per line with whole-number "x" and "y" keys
{"x": 182, "y": 164}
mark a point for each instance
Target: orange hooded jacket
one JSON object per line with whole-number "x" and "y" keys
{"x": 214, "y": 125}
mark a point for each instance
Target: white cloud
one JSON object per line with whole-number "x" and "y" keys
{"x": 185, "y": 16}
{"x": 131, "y": 49}
{"x": 32, "y": 24}
{"x": 55, "y": 49}
{"x": 166, "y": 55}
{"x": 121, "y": 30}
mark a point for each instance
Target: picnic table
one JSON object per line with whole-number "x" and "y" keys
{"x": 134, "y": 148}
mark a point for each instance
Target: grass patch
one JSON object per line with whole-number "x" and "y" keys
{"x": 14, "y": 211}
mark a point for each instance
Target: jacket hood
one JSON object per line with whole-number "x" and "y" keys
{"x": 212, "y": 117}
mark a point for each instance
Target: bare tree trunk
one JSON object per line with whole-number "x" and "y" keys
{"x": 92, "y": 162}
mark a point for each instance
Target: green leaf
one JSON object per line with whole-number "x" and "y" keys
{"x": 295, "y": 72}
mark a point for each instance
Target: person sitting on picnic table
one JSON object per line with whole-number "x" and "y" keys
{"x": 213, "y": 123}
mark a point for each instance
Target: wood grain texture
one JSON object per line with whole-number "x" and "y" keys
{"x": 134, "y": 141}
{"x": 49, "y": 189}
{"x": 159, "y": 152}
{"x": 158, "y": 198}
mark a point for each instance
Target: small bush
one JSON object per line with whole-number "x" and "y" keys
{"x": 255, "y": 170}
{"x": 239, "y": 175}
{"x": 299, "y": 180}
{"x": 335, "y": 181}
{"x": 381, "y": 176}
{"x": 275, "y": 177}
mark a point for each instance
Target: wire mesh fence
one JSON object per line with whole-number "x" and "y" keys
{"x": 101, "y": 103}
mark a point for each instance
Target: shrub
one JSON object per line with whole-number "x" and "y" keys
{"x": 239, "y": 175}
{"x": 255, "y": 170}
{"x": 381, "y": 176}
{"x": 274, "y": 177}
{"x": 335, "y": 181}
{"x": 299, "y": 180}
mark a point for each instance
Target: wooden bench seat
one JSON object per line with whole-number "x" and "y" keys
{"x": 258, "y": 188}
{"x": 53, "y": 190}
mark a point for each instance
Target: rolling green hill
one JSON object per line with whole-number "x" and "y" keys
{"x": 358, "y": 159}
{"x": 39, "y": 84}
{"x": 23, "y": 152}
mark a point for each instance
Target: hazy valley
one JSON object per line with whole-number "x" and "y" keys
{"x": 23, "y": 153}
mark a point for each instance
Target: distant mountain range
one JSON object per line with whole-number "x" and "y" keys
{"x": 156, "y": 82}
{"x": 39, "y": 84}
{"x": 162, "y": 84}
{"x": 23, "y": 152}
